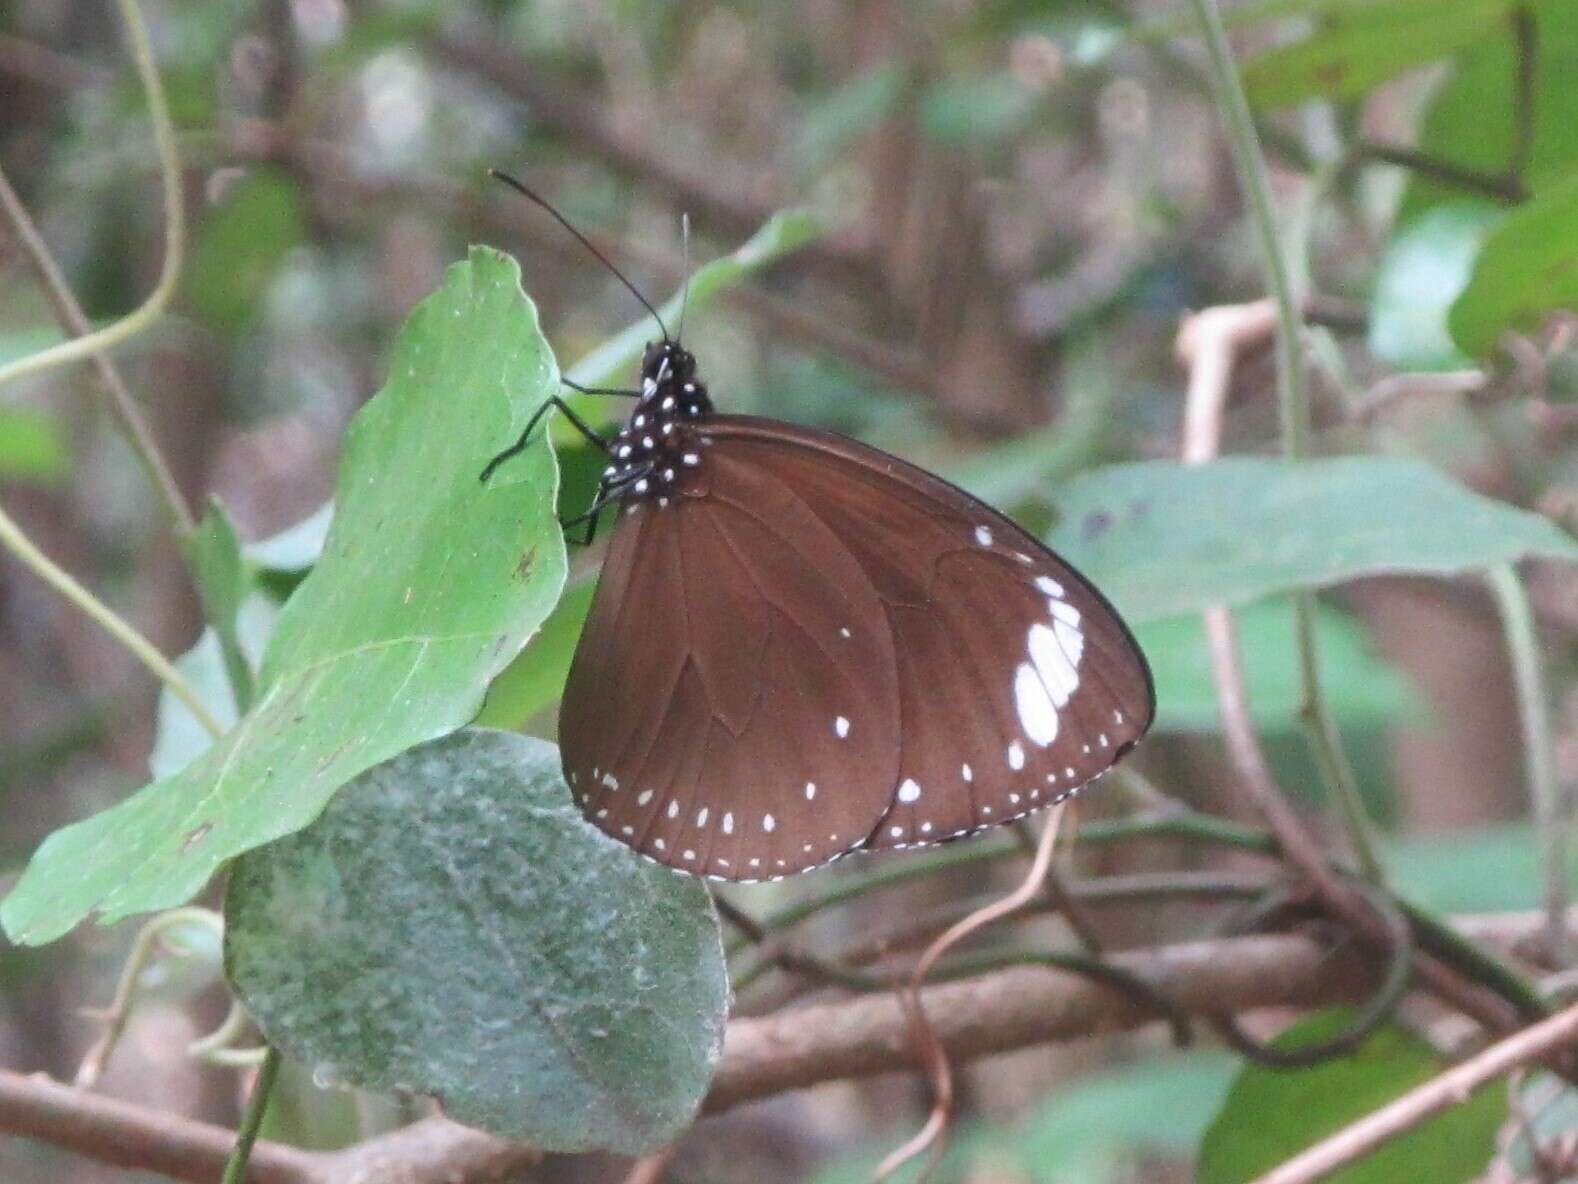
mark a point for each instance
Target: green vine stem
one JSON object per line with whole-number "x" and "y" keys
{"x": 1550, "y": 815}
{"x": 150, "y": 310}
{"x": 119, "y": 1011}
{"x": 1294, "y": 413}
{"x": 252, "y": 1119}
{"x": 12, "y": 538}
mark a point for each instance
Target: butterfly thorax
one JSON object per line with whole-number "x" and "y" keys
{"x": 658, "y": 448}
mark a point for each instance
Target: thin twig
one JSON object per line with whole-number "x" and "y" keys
{"x": 1452, "y": 1088}
{"x": 151, "y": 309}
{"x": 929, "y": 1139}
{"x": 12, "y": 538}
{"x": 1293, "y": 404}
{"x": 75, "y": 322}
{"x": 1550, "y": 819}
{"x": 114, "y": 1016}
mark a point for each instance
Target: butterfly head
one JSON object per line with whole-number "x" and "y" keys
{"x": 663, "y": 361}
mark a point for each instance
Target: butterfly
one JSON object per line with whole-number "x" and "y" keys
{"x": 801, "y": 646}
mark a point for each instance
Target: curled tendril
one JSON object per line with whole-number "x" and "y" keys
{"x": 1379, "y": 1007}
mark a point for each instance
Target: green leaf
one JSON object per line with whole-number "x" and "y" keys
{"x": 296, "y": 548}
{"x": 1162, "y": 538}
{"x": 1527, "y": 270}
{"x": 784, "y": 232}
{"x": 240, "y": 245}
{"x": 179, "y": 739}
{"x": 1363, "y": 690}
{"x": 535, "y": 679}
{"x": 1272, "y": 1114}
{"x": 1424, "y": 268}
{"x": 968, "y": 110}
{"x": 1159, "y": 1105}
{"x": 1471, "y": 121}
{"x": 1358, "y": 44}
{"x": 429, "y": 584}
{"x": 32, "y": 447}
{"x": 1487, "y": 869}
{"x": 845, "y": 113}
{"x": 214, "y": 554}
{"x": 452, "y": 926}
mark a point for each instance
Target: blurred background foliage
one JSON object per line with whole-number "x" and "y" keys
{"x": 1024, "y": 198}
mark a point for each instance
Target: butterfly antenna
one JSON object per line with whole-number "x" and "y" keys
{"x": 684, "y": 300}
{"x": 536, "y": 198}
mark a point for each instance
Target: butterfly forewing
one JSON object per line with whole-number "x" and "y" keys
{"x": 733, "y": 710}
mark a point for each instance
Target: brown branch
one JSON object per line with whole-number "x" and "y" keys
{"x": 792, "y": 1049}
{"x": 1452, "y": 1088}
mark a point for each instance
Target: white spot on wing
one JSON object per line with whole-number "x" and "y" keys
{"x": 768, "y": 823}
{"x": 1048, "y": 585}
{"x": 1064, "y": 612}
{"x": 673, "y": 809}
{"x": 810, "y": 790}
{"x": 909, "y": 791}
{"x": 966, "y": 772}
{"x": 1072, "y": 640}
{"x": 643, "y": 797}
{"x": 701, "y": 816}
{"x": 728, "y": 824}
{"x": 1053, "y": 664}
{"x": 983, "y": 535}
{"x": 1016, "y": 755}
{"x": 1037, "y": 715}
{"x": 841, "y": 726}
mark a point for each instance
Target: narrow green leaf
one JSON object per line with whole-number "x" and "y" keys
{"x": 1272, "y": 1114}
{"x": 1363, "y": 691}
{"x": 32, "y": 446}
{"x": 430, "y": 582}
{"x": 786, "y": 231}
{"x": 1356, "y": 46}
{"x": 451, "y": 926}
{"x": 1162, "y": 538}
{"x": 214, "y": 554}
{"x": 835, "y": 120}
{"x": 1424, "y": 269}
{"x": 1527, "y": 270}
{"x": 240, "y": 245}
{"x": 535, "y": 679}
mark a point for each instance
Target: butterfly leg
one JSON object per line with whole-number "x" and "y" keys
{"x": 599, "y": 390}
{"x": 519, "y": 446}
{"x": 607, "y": 492}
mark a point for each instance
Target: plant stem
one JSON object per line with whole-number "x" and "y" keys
{"x": 252, "y": 1119}
{"x": 1296, "y": 422}
{"x": 12, "y": 538}
{"x": 122, "y": 406}
{"x": 174, "y": 222}
{"x": 1550, "y": 814}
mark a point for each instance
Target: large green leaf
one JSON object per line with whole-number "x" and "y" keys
{"x": 1471, "y": 121}
{"x": 1360, "y": 43}
{"x": 451, "y": 926}
{"x": 1272, "y": 1114}
{"x": 1527, "y": 270}
{"x": 429, "y": 584}
{"x": 1362, "y": 690}
{"x": 1162, "y": 538}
